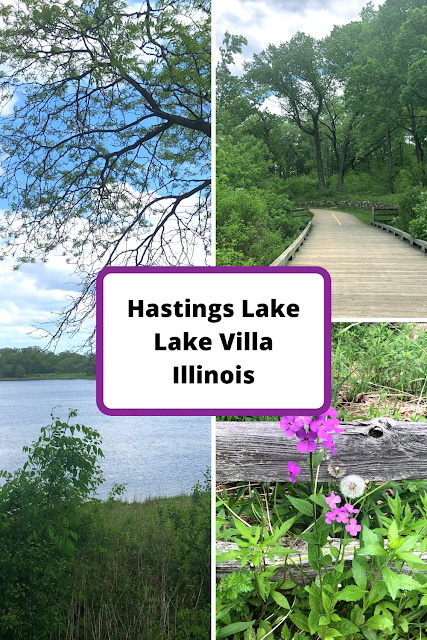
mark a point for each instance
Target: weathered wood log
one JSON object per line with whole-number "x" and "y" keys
{"x": 292, "y": 249}
{"x": 298, "y": 560}
{"x": 380, "y": 449}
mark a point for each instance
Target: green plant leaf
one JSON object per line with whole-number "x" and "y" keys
{"x": 379, "y": 622}
{"x": 319, "y": 499}
{"x": 352, "y": 593}
{"x": 280, "y": 599}
{"x": 345, "y": 627}
{"x": 300, "y": 620}
{"x": 359, "y": 574}
{"x": 392, "y": 582}
{"x": 235, "y": 627}
{"x": 373, "y": 550}
{"x": 302, "y": 506}
{"x": 313, "y": 621}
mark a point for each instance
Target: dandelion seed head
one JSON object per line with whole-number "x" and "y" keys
{"x": 335, "y": 470}
{"x": 352, "y": 486}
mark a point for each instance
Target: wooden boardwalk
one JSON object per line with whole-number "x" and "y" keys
{"x": 374, "y": 274}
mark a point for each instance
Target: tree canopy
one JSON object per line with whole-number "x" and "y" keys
{"x": 106, "y": 156}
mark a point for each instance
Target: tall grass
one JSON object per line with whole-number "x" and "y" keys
{"x": 386, "y": 359}
{"x": 76, "y": 568}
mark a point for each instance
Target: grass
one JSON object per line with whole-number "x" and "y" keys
{"x": 378, "y": 369}
{"x": 143, "y": 571}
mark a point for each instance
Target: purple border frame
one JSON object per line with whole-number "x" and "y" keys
{"x": 210, "y": 412}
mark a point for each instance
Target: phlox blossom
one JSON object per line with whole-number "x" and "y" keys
{"x": 333, "y": 500}
{"x": 288, "y": 425}
{"x": 307, "y": 441}
{"x": 293, "y": 470}
{"x": 353, "y": 528}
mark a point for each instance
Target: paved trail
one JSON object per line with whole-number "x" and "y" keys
{"x": 374, "y": 274}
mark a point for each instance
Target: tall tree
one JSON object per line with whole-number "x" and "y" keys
{"x": 106, "y": 156}
{"x": 294, "y": 71}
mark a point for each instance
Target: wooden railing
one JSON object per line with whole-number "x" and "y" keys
{"x": 422, "y": 244}
{"x": 378, "y": 450}
{"x": 289, "y": 253}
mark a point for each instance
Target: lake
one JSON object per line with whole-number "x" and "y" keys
{"x": 153, "y": 456}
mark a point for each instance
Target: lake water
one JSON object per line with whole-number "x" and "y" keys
{"x": 153, "y": 456}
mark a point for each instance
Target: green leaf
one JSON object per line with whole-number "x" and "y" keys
{"x": 373, "y": 550}
{"x": 302, "y": 506}
{"x": 369, "y": 537}
{"x": 300, "y": 620}
{"x": 319, "y": 499}
{"x": 359, "y": 574}
{"x": 378, "y": 592}
{"x": 280, "y": 599}
{"x": 409, "y": 544}
{"x": 281, "y": 532}
{"x": 345, "y": 627}
{"x": 352, "y": 593}
{"x": 313, "y": 621}
{"x": 318, "y": 458}
{"x": 233, "y": 628}
{"x": 393, "y": 532}
{"x": 228, "y": 555}
{"x": 412, "y": 560}
{"x": 379, "y": 622}
{"x": 391, "y": 581}
{"x": 244, "y": 530}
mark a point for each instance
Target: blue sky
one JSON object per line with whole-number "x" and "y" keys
{"x": 36, "y": 292}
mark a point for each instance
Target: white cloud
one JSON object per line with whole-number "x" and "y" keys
{"x": 273, "y": 22}
{"x": 33, "y": 294}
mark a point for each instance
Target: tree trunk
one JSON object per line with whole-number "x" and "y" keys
{"x": 418, "y": 147}
{"x": 319, "y": 163}
{"x": 341, "y": 165}
{"x": 389, "y": 159}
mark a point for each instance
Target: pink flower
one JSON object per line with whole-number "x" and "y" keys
{"x": 329, "y": 443}
{"x": 293, "y": 470}
{"x": 287, "y": 424}
{"x": 300, "y": 421}
{"x": 330, "y": 412}
{"x": 331, "y": 515}
{"x": 342, "y": 515}
{"x": 349, "y": 508}
{"x": 307, "y": 442}
{"x": 353, "y": 528}
{"x": 333, "y": 500}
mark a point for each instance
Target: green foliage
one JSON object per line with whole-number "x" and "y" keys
{"x": 74, "y": 567}
{"x": 377, "y": 594}
{"x": 418, "y": 226}
{"x": 33, "y": 362}
{"x": 254, "y": 225}
{"x": 378, "y": 357}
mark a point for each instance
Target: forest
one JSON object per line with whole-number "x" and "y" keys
{"x": 33, "y": 362}
{"x": 352, "y": 126}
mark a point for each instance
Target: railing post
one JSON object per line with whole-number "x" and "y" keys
{"x": 373, "y": 214}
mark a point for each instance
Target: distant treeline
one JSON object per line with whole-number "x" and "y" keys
{"x": 32, "y": 361}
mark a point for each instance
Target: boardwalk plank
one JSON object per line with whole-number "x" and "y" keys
{"x": 374, "y": 274}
